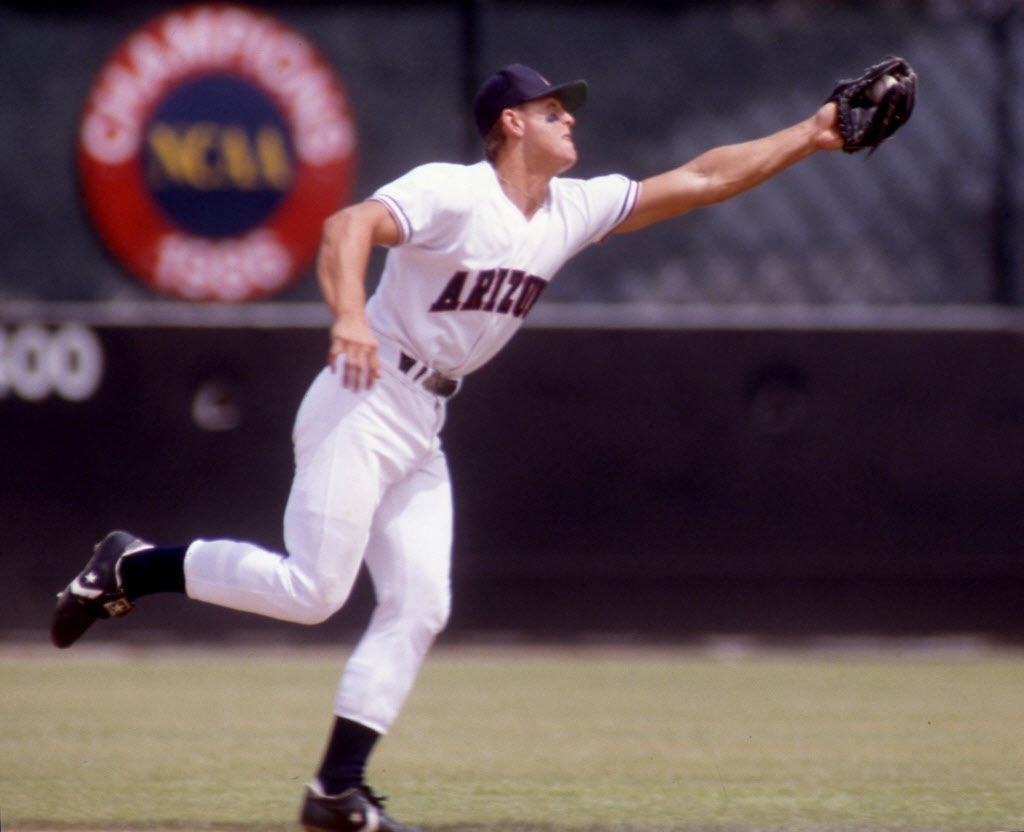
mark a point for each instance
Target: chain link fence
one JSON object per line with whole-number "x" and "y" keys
{"x": 936, "y": 216}
{"x": 933, "y": 217}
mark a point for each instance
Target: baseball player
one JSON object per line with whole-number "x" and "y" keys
{"x": 471, "y": 248}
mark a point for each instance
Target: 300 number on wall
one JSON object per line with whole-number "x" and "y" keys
{"x": 37, "y": 362}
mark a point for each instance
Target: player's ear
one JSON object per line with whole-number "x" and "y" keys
{"x": 512, "y": 120}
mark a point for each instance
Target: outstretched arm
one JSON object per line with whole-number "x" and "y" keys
{"x": 349, "y": 236}
{"x": 726, "y": 171}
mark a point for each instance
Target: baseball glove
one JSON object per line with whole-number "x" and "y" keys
{"x": 875, "y": 105}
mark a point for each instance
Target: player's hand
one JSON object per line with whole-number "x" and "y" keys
{"x": 826, "y": 123}
{"x": 351, "y": 337}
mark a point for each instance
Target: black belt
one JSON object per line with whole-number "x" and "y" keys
{"x": 432, "y": 381}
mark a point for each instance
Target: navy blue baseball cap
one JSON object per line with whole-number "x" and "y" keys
{"x": 515, "y": 84}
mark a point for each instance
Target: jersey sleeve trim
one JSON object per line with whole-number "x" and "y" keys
{"x": 398, "y": 215}
{"x": 628, "y": 204}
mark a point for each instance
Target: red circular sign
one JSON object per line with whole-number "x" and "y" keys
{"x": 214, "y": 143}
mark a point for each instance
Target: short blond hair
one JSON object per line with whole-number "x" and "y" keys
{"x": 494, "y": 141}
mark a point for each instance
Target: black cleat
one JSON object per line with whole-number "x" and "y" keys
{"x": 354, "y": 810}
{"x": 96, "y": 592}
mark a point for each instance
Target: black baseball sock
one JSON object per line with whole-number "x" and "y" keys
{"x": 160, "y": 569}
{"x": 345, "y": 758}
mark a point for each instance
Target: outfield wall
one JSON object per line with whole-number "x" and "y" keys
{"x": 625, "y": 479}
{"x": 797, "y": 411}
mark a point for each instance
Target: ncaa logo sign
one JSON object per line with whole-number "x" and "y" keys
{"x": 214, "y": 143}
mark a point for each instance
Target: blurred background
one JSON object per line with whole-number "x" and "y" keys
{"x": 798, "y": 413}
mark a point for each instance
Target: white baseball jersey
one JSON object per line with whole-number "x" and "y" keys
{"x": 371, "y": 479}
{"x": 470, "y": 265}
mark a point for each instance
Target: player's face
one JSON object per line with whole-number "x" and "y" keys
{"x": 548, "y": 131}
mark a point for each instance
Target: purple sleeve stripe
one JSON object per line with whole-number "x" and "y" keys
{"x": 629, "y": 202}
{"x": 397, "y": 214}
{"x": 632, "y": 194}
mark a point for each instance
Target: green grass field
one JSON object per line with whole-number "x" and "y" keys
{"x": 525, "y": 739}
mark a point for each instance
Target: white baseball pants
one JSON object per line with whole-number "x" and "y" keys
{"x": 371, "y": 481}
